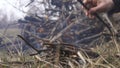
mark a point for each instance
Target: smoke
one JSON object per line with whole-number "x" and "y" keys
{"x": 13, "y": 9}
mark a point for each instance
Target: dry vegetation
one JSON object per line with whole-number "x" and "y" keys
{"x": 56, "y": 51}
{"x": 109, "y": 57}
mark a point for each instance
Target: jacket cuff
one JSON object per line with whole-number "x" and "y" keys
{"x": 116, "y": 3}
{"x": 116, "y": 7}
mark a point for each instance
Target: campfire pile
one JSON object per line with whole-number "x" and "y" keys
{"x": 63, "y": 36}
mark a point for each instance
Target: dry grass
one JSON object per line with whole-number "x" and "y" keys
{"x": 109, "y": 58}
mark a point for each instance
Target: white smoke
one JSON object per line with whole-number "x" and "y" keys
{"x": 13, "y": 9}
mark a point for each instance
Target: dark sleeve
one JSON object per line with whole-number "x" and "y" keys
{"x": 116, "y": 7}
{"x": 117, "y": 3}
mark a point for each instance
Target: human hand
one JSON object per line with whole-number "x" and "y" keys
{"x": 97, "y": 6}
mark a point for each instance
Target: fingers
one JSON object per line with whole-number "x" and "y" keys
{"x": 93, "y": 10}
{"x": 97, "y": 8}
{"x": 87, "y": 1}
{"x": 94, "y": 6}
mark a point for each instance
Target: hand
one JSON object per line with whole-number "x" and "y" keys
{"x": 97, "y": 6}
